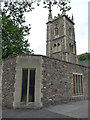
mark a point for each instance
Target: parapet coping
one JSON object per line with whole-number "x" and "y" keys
{"x": 43, "y": 56}
{"x": 61, "y": 16}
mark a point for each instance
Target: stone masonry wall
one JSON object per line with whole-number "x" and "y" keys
{"x": 57, "y": 80}
{"x": 8, "y": 81}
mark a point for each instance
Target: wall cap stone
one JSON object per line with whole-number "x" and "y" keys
{"x": 43, "y": 56}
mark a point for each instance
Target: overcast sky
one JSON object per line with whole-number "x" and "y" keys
{"x": 38, "y": 18}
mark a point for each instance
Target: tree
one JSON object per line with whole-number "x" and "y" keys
{"x": 61, "y": 4}
{"x": 85, "y": 56}
{"x": 14, "y": 28}
{"x": 13, "y": 41}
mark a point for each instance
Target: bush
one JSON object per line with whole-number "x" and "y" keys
{"x": 85, "y": 56}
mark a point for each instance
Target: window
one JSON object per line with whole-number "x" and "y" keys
{"x": 54, "y": 48}
{"x": 24, "y": 84}
{"x": 71, "y": 47}
{"x": 58, "y": 44}
{"x": 77, "y": 85}
{"x": 28, "y": 85}
{"x": 58, "y": 47}
{"x": 55, "y": 45}
{"x": 32, "y": 86}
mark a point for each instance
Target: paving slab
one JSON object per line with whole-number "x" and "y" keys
{"x": 73, "y": 109}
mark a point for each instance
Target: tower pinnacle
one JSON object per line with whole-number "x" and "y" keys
{"x": 72, "y": 17}
{"x": 50, "y": 12}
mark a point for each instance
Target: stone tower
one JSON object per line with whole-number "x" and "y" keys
{"x": 60, "y": 42}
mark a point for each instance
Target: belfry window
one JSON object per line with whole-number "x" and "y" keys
{"x": 77, "y": 85}
{"x": 71, "y": 47}
{"x": 54, "y": 48}
{"x": 55, "y": 45}
{"x": 28, "y": 85}
{"x": 58, "y": 47}
{"x": 58, "y": 44}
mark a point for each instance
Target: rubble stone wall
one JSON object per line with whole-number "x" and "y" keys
{"x": 57, "y": 79}
{"x": 8, "y": 81}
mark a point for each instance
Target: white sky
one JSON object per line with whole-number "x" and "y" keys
{"x": 38, "y": 18}
{"x": 89, "y": 27}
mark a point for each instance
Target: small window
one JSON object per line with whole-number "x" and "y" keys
{"x": 55, "y": 48}
{"x": 71, "y": 47}
{"x": 77, "y": 85}
{"x": 55, "y": 45}
{"x": 58, "y": 47}
{"x": 58, "y": 44}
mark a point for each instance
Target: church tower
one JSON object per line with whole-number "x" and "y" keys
{"x": 60, "y": 42}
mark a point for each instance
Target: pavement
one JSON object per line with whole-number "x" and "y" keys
{"x": 71, "y": 110}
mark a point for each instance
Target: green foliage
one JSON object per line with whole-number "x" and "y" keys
{"x": 85, "y": 56}
{"x": 14, "y": 29}
{"x": 61, "y": 4}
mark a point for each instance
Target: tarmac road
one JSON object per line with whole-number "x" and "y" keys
{"x": 8, "y": 113}
{"x": 71, "y": 110}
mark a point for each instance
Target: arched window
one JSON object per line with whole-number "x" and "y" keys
{"x": 54, "y": 48}
{"x": 58, "y": 44}
{"x": 58, "y": 47}
{"x": 54, "y": 45}
{"x": 71, "y": 47}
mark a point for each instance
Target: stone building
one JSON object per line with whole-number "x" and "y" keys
{"x": 61, "y": 39}
{"x": 32, "y": 81}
